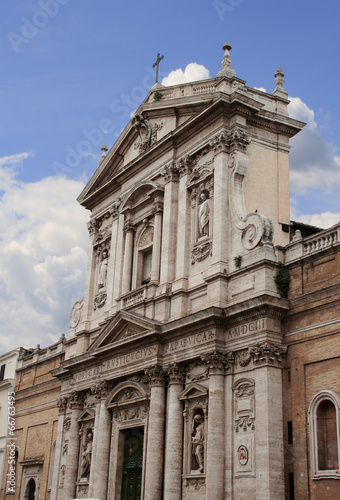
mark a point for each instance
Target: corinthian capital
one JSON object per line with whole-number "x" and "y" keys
{"x": 176, "y": 373}
{"x": 156, "y": 376}
{"x": 75, "y": 400}
{"x": 270, "y": 354}
{"x": 218, "y": 362}
{"x": 170, "y": 172}
{"x": 62, "y": 404}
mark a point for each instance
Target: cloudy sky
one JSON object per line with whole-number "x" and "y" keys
{"x": 73, "y": 71}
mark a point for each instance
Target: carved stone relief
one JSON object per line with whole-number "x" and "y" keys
{"x": 99, "y": 300}
{"x": 244, "y": 397}
{"x": 76, "y": 313}
{"x": 255, "y": 229}
{"x": 201, "y": 252}
{"x": 197, "y": 370}
{"x": 262, "y": 354}
{"x": 147, "y": 133}
{"x": 129, "y": 400}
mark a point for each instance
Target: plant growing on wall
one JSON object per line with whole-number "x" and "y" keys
{"x": 282, "y": 281}
{"x": 238, "y": 261}
{"x": 157, "y": 96}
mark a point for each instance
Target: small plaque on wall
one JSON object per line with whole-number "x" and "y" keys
{"x": 243, "y": 455}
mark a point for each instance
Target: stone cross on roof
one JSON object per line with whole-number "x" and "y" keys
{"x": 159, "y": 58}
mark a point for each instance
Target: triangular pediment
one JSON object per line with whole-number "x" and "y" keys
{"x": 87, "y": 414}
{"x": 193, "y": 391}
{"x": 123, "y": 327}
{"x": 153, "y": 124}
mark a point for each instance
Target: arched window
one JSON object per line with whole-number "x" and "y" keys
{"x": 324, "y": 432}
{"x": 31, "y": 490}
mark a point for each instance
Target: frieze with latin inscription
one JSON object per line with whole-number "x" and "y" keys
{"x": 186, "y": 342}
{"x": 252, "y": 326}
{"x": 131, "y": 357}
{"x": 118, "y": 361}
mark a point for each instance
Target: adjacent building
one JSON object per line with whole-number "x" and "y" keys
{"x": 30, "y": 460}
{"x": 8, "y": 364}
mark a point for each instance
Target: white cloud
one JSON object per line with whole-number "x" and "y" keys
{"x": 192, "y": 73}
{"x": 43, "y": 252}
{"x": 314, "y": 162}
{"x": 323, "y": 220}
{"x": 15, "y": 159}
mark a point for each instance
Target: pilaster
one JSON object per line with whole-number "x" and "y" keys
{"x": 69, "y": 490}
{"x": 127, "y": 266}
{"x": 155, "y": 442}
{"x": 157, "y": 245}
{"x": 174, "y": 434}
{"x": 169, "y": 224}
{"x": 62, "y": 404}
{"x": 215, "y": 466}
{"x": 101, "y": 441}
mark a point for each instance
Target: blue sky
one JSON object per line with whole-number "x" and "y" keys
{"x": 72, "y": 73}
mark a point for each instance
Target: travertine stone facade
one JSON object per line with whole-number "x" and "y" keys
{"x": 173, "y": 384}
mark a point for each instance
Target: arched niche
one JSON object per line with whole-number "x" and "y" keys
{"x": 141, "y": 194}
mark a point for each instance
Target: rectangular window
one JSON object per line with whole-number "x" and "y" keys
{"x": 2, "y": 372}
{"x": 290, "y": 431}
{"x": 147, "y": 263}
{"x": 291, "y": 486}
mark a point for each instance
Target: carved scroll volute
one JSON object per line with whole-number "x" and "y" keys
{"x": 238, "y": 165}
{"x": 255, "y": 228}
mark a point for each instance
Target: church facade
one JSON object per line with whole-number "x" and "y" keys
{"x": 175, "y": 379}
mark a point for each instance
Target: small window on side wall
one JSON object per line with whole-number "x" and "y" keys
{"x": 324, "y": 431}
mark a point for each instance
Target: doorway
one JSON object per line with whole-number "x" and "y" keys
{"x": 132, "y": 463}
{"x": 31, "y": 490}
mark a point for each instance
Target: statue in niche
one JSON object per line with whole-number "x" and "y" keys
{"x": 204, "y": 215}
{"x": 86, "y": 457}
{"x": 198, "y": 441}
{"x": 103, "y": 269}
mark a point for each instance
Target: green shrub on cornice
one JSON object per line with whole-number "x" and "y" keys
{"x": 209, "y": 101}
{"x": 238, "y": 261}
{"x": 157, "y": 96}
{"x": 282, "y": 281}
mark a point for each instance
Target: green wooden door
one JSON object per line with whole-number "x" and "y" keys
{"x": 133, "y": 464}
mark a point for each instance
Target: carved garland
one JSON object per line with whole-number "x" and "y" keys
{"x": 266, "y": 353}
